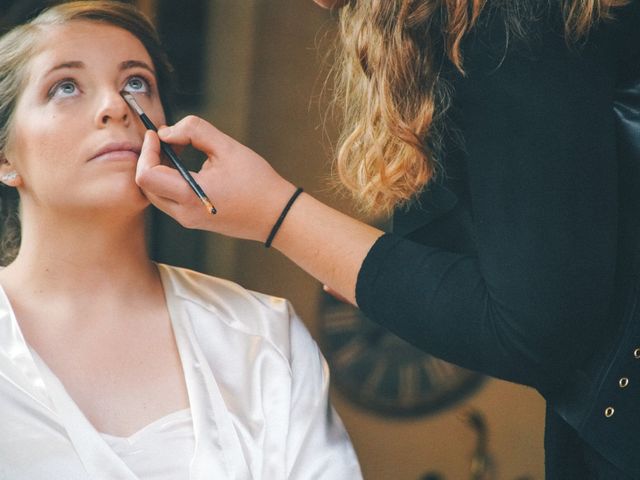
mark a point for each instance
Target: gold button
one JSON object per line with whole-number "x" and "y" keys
{"x": 608, "y": 412}
{"x": 623, "y": 382}
{"x": 636, "y": 353}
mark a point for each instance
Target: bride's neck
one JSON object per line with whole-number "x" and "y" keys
{"x": 79, "y": 255}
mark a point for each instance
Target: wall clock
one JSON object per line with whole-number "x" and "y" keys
{"x": 380, "y": 372}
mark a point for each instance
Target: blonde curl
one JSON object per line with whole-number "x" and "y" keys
{"x": 392, "y": 92}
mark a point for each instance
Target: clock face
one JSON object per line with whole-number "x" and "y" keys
{"x": 381, "y": 372}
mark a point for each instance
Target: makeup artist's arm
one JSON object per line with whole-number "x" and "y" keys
{"x": 250, "y": 195}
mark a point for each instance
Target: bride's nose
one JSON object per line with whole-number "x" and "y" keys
{"x": 112, "y": 108}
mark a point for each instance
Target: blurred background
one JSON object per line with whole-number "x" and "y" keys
{"x": 259, "y": 69}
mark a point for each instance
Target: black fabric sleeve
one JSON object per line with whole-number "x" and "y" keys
{"x": 542, "y": 178}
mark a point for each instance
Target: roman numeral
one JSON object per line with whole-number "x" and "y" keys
{"x": 347, "y": 354}
{"x": 439, "y": 372}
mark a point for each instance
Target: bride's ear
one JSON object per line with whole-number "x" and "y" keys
{"x": 8, "y": 175}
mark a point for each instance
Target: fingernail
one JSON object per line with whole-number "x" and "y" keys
{"x": 164, "y": 131}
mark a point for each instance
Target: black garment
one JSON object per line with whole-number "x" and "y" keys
{"x": 520, "y": 259}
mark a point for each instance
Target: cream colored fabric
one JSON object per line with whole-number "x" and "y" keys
{"x": 257, "y": 385}
{"x": 169, "y": 441}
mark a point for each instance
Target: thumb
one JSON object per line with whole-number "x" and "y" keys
{"x": 155, "y": 178}
{"x": 149, "y": 154}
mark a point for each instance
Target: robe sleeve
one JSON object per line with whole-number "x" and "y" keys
{"x": 318, "y": 446}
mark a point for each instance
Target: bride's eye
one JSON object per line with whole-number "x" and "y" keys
{"x": 137, "y": 84}
{"x": 64, "y": 89}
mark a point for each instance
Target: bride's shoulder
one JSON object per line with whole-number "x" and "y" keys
{"x": 252, "y": 312}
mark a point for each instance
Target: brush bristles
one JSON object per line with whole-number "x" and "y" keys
{"x": 132, "y": 102}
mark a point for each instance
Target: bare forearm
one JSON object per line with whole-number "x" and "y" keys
{"x": 326, "y": 243}
{"x": 250, "y": 195}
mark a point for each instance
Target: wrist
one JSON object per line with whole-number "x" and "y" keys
{"x": 271, "y": 207}
{"x": 283, "y": 215}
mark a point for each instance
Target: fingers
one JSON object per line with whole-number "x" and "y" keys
{"x": 149, "y": 154}
{"x": 197, "y": 132}
{"x": 190, "y": 215}
{"x": 164, "y": 204}
{"x": 156, "y": 179}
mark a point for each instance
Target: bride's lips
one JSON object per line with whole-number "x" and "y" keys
{"x": 117, "y": 151}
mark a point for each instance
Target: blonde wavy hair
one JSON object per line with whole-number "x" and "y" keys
{"x": 393, "y": 96}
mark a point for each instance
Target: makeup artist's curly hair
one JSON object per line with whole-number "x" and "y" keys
{"x": 20, "y": 44}
{"x": 391, "y": 90}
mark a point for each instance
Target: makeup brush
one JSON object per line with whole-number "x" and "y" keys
{"x": 168, "y": 151}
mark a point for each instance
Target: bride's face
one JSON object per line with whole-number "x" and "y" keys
{"x": 74, "y": 141}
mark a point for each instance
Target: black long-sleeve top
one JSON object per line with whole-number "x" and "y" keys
{"x": 517, "y": 259}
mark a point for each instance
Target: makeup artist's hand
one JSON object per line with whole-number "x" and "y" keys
{"x": 247, "y": 192}
{"x": 250, "y": 196}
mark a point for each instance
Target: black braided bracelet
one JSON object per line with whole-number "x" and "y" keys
{"x": 278, "y": 223}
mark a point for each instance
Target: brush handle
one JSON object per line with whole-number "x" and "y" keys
{"x": 168, "y": 151}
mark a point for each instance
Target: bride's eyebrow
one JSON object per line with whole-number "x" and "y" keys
{"x": 63, "y": 65}
{"x": 127, "y": 64}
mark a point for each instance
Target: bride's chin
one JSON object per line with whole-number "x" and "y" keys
{"x": 126, "y": 203}
{"x": 127, "y": 194}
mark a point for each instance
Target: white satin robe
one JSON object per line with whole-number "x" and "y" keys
{"x": 257, "y": 385}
